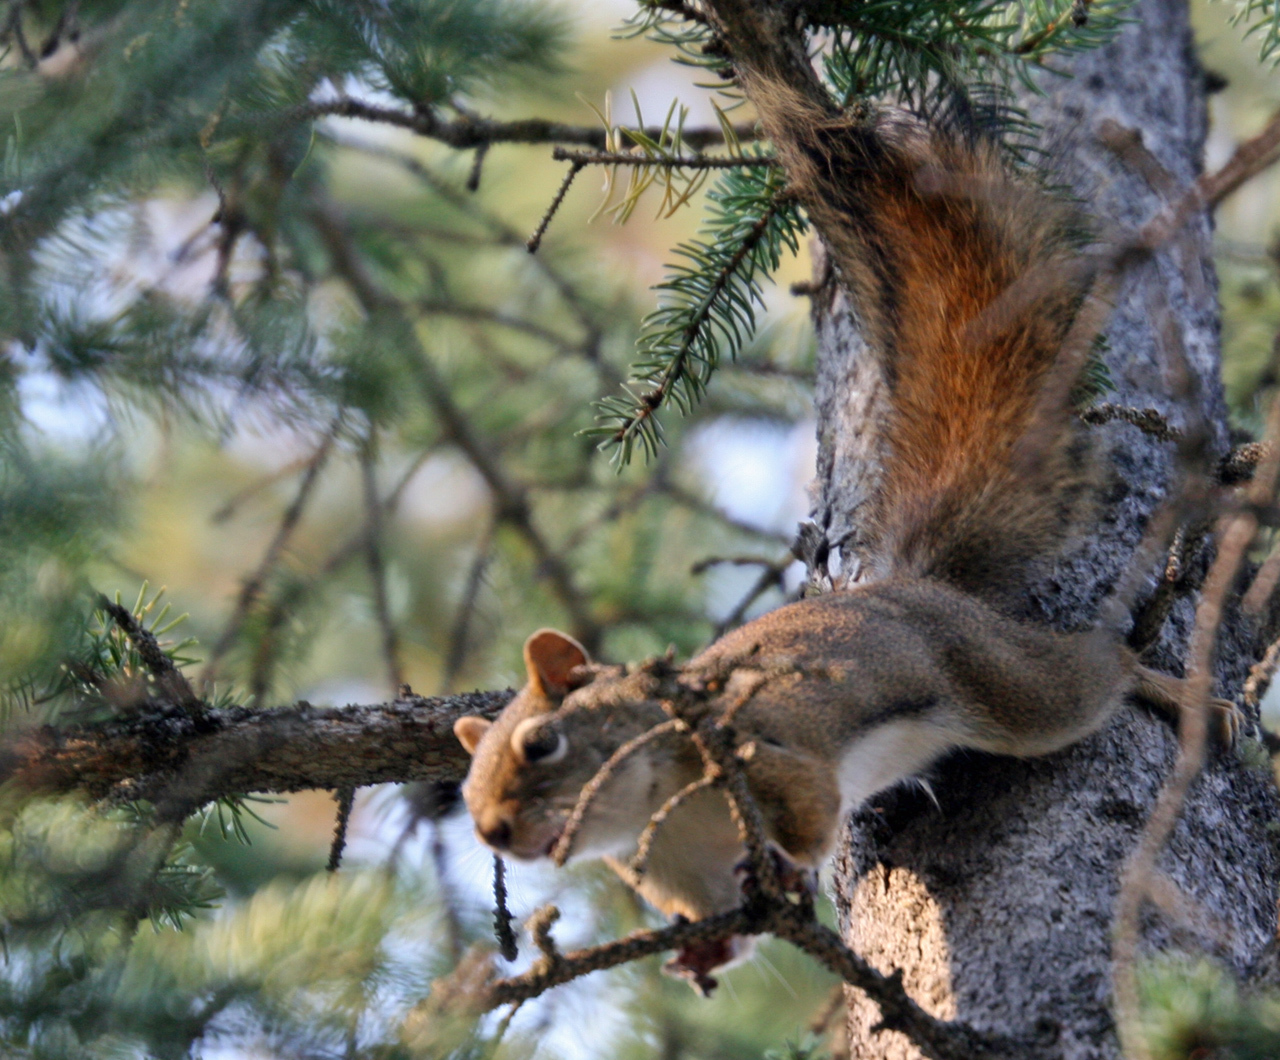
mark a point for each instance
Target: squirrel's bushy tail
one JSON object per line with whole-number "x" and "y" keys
{"x": 967, "y": 281}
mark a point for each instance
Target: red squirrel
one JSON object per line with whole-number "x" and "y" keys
{"x": 967, "y": 281}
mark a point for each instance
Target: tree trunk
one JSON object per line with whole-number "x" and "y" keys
{"x": 997, "y": 901}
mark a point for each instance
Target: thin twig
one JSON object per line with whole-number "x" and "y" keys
{"x": 503, "y": 234}
{"x": 473, "y": 132}
{"x": 1261, "y": 674}
{"x": 627, "y": 158}
{"x": 13, "y": 28}
{"x": 1249, "y": 159}
{"x": 485, "y": 315}
{"x": 535, "y": 240}
{"x": 278, "y": 609}
{"x": 230, "y": 506}
{"x": 772, "y": 576}
{"x": 501, "y": 914}
{"x": 564, "y": 845}
{"x": 477, "y": 167}
{"x": 644, "y": 844}
{"x": 346, "y": 798}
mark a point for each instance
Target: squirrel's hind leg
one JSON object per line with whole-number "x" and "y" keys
{"x": 1170, "y": 697}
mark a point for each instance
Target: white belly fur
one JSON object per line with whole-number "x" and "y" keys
{"x": 886, "y": 755}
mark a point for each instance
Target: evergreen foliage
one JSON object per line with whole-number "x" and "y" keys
{"x": 338, "y": 290}
{"x": 954, "y": 62}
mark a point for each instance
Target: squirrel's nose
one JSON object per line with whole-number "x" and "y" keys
{"x": 496, "y": 833}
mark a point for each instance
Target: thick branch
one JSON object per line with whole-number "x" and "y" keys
{"x": 183, "y": 761}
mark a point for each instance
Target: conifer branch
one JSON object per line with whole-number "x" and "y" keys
{"x": 187, "y": 760}
{"x": 626, "y": 158}
{"x": 468, "y": 132}
{"x": 710, "y": 310}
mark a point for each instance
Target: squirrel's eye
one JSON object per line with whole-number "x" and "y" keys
{"x": 544, "y": 744}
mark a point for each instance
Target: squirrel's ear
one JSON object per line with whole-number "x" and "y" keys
{"x": 470, "y": 730}
{"x": 549, "y": 656}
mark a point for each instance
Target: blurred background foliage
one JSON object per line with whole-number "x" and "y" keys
{"x": 302, "y": 371}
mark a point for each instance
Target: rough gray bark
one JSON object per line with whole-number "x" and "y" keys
{"x": 997, "y": 902}
{"x": 183, "y": 759}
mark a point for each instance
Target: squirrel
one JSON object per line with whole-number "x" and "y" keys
{"x": 967, "y": 279}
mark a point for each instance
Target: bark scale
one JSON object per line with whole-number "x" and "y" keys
{"x": 997, "y": 902}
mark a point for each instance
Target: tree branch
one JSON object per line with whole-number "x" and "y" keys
{"x": 626, "y": 158}
{"x": 185, "y": 761}
{"x": 464, "y": 133}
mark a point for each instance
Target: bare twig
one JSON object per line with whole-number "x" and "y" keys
{"x": 644, "y": 844}
{"x": 485, "y": 315}
{"x": 1249, "y": 159}
{"x": 627, "y": 158}
{"x": 1264, "y": 584}
{"x": 477, "y": 167}
{"x": 937, "y": 1039}
{"x": 772, "y": 573}
{"x": 535, "y": 240}
{"x": 503, "y": 234}
{"x": 564, "y": 845}
{"x": 346, "y": 798}
{"x": 501, "y": 914}
{"x": 232, "y": 504}
{"x": 688, "y": 499}
{"x": 12, "y": 27}
{"x": 278, "y": 609}
{"x": 474, "y": 132}
{"x": 540, "y": 925}
{"x": 542, "y": 977}
{"x": 1127, "y": 145}
{"x": 511, "y": 501}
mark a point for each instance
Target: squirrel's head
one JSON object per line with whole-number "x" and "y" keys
{"x": 529, "y": 765}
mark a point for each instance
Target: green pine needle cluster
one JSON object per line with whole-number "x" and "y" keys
{"x": 708, "y": 309}
{"x": 1261, "y": 19}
